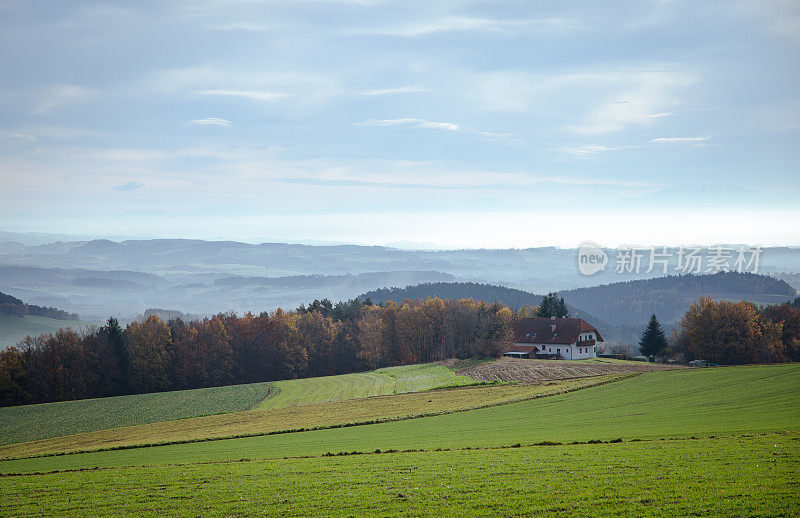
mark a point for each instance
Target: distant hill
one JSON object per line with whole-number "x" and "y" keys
{"x": 632, "y": 302}
{"x": 620, "y": 310}
{"x": 511, "y": 297}
{"x": 18, "y": 320}
{"x": 14, "y": 306}
{"x": 123, "y": 278}
{"x": 13, "y": 329}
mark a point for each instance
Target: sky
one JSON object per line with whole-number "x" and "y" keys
{"x": 448, "y": 123}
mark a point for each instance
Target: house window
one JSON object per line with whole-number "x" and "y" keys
{"x": 558, "y": 351}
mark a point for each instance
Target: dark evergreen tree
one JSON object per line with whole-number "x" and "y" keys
{"x": 112, "y": 359}
{"x": 653, "y": 341}
{"x": 552, "y": 306}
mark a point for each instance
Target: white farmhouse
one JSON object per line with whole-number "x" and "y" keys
{"x": 571, "y": 338}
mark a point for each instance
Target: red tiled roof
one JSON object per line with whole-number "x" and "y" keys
{"x": 538, "y": 330}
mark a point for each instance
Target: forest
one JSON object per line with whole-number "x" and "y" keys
{"x": 14, "y": 306}
{"x": 318, "y": 340}
{"x": 511, "y": 297}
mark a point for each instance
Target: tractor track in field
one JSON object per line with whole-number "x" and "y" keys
{"x": 542, "y": 371}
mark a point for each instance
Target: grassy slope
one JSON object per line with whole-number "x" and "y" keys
{"x": 392, "y": 380}
{"x": 658, "y": 404}
{"x": 334, "y": 413}
{"x": 31, "y": 422}
{"x": 13, "y": 329}
{"x": 741, "y": 476}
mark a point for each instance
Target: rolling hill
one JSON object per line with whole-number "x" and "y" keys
{"x": 13, "y": 329}
{"x": 18, "y": 320}
{"x": 632, "y": 302}
{"x": 620, "y": 310}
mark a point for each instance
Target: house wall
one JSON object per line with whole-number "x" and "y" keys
{"x": 569, "y": 352}
{"x": 581, "y": 353}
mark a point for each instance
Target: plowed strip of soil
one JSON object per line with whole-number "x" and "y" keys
{"x": 540, "y": 371}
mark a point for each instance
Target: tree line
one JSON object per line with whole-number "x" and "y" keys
{"x": 738, "y": 332}
{"x": 318, "y": 340}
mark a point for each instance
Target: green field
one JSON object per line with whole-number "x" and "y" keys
{"x": 13, "y": 328}
{"x": 722, "y": 441}
{"x": 329, "y": 414}
{"x": 680, "y": 403}
{"x": 31, "y": 422}
{"x": 392, "y": 380}
{"x": 739, "y": 476}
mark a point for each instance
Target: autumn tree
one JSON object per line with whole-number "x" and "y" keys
{"x": 730, "y": 333}
{"x": 12, "y": 378}
{"x": 149, "y": 348}
{"x": 788, "y": 316}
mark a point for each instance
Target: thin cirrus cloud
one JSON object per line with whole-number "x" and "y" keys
{"x": 59, "y": 95}
{"x": 678, "y": 140}
{"x": 21, "y": 137}
{"x": 469, "y": 24}
{"x": 255, "y": 95}
{"x": 391, "y": 91}
{"x": 211, "y": 121}
{"x": 411, "y": 122}
{"x": 583, "y": 151}
{"x": 130, "y": 186}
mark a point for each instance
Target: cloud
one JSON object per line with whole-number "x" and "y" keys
{"x": 243, "y": 26}
{"x": 680, "y": 139}
{"x": 585, "y": 150}
{"x": 211, "y": 121}
{"x": 469, "y": 24}
{"x": 648, "y": 91}
{"x": 256, "y": 95}
{"x": 266, "y": 85}
{"x": 21, "y": 137}
{"x": 62, "y": 94}
{"x": 130, "y": 186}
{"x": 416, "y": 123}
{"x": 391, "y": 91}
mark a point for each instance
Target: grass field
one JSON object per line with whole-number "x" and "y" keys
{"x": 334, "y": 413}
{"x": 31, "y": 422}
{"x": 13, "y": 328}
{"x": 734, "y": 476}
{"x": 681, "y": 403}
{"x": 392, "y": 380}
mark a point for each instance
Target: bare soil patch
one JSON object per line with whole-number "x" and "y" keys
{"x": 540, "y": 371}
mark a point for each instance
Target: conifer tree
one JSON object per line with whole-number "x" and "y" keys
{"x": 552, "y": 306}
{"x": 653, "y": 341}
